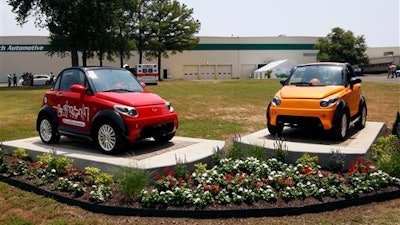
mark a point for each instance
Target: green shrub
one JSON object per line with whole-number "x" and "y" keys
{"x": 336, "y": 161}
{"x": 132, "y": 180}
{"x": 384, "y": 145}
{"x": 236, "y": 152}
{"x": 281, "y": 150}
{"x": 21, "y": 153}
{"x": 180, "y": 168}
{"x": 200, "y": 168}
{"x": 307, "y": 159}
{"x": 257, "y": 152}
{"x": 45, "y": 158}
{"x": 217, "y": 155}
{"x": 390, "y": 164}
{"x": 96, "y": 177}
{"x": 60, "y": 164}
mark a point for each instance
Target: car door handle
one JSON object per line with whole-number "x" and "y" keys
{"x": 59, "y": 94}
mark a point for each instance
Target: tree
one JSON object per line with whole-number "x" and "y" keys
{"x": 342, "y": 46}
{"x": 172, "y": 29}
{"x": 74, "y": 25}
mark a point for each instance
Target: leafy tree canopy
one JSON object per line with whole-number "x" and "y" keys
{"x": 342, "y": 46}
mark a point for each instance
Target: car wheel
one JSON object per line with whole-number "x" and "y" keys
{"x": 164, "y": 138}
{"x": 341, "y": 128}
{"x": 109, "y": 139}
{"x": 48, "y": 130}
{"x": 360, "y": 124}
{"x": 273, "y": 130}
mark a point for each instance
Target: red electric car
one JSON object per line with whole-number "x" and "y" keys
{"x": 105, "y": 105}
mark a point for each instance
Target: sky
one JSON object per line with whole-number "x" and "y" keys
{"x": 377, "y": 21}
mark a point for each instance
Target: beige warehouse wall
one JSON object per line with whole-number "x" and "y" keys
{"x": 240, "y": 63}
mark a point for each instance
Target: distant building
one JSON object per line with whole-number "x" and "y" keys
{"x": 213, "y": 57}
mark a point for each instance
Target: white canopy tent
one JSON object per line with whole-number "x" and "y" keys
{"x": 277, "y": 68}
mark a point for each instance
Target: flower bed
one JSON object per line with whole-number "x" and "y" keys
{"x": 249, "y": 184}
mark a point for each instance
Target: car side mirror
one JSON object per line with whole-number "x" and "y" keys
{"x": 283, "y": 81}
{"x": 355, "y": 80}
{"x": 78, "y": 88}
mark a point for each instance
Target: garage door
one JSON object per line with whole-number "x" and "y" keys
{"x": 207, "y": 72}
{"x": 190, "y": 72}
{"x": 224, "y": 72}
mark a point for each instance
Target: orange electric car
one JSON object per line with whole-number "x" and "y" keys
{"x": 323, "y": 95}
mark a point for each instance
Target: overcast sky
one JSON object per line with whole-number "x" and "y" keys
{"x": 377, "y": 20}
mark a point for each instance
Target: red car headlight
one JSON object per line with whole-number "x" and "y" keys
{"x": 126, "y": 110}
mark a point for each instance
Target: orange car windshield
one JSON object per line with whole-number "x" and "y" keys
{"x": 317, "y": 75}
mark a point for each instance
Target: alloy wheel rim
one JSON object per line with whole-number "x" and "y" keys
{"x": 106, "y": 137}
{"x": 45, "y": 130}
{"x": 344, "y": 125}
{"x": 364, "y": 116}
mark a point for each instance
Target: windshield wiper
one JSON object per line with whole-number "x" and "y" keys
{"x": 118, "y": 90}
{"x": 302, "y": 83}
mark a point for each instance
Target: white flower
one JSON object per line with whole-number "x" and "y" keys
{"x": 53, "y": 170}
{"x": 321, "y": 190}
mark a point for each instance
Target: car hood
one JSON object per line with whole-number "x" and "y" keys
{"x": 308, "y": 92}
{"x": 132, "y": 98}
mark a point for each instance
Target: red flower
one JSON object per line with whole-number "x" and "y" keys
{"x": 188, "y": 177}
{"x": 180, "y": 181}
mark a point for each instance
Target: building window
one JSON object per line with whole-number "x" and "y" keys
{"x": 388, "y": 53}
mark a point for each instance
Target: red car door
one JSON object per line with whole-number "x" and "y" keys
{"x": 73, "y": 114}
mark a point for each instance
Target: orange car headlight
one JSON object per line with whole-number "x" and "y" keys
{"x": 328, "y": 102}
{"x": 276, "y": 101}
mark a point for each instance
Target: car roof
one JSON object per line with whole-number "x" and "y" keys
{"x": 93, "y": 67}
{"x": 326, "y": 63}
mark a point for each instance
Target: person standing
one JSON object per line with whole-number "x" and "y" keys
{"x": 9, "y": 79}
{"x": 51, "y": 78}
{"x": 15, "y": 80}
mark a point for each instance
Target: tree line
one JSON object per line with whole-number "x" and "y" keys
{"x": 105, "y": 29}
{"x": 108, "y": 29}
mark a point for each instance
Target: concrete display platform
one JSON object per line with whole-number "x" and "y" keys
{"x": 317, "y": 143}
{"x": 146, "y": 154}
{"x": 150, "y": 155}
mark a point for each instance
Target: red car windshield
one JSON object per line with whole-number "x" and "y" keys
{"x": 110, "y": 80}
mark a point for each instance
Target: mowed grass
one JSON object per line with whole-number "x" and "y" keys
{"x": 207, "y": 109}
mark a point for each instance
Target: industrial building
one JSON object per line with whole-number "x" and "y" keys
{"x": 213, "y": 57}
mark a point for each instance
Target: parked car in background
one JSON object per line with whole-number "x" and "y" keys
{"x": 39, "y": 79}
{"x": 105, "y": 105}
{"x": 358, "y": 71}
{"x": 322, "y": 95}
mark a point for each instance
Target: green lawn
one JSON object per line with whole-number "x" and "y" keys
{"x": 207, "y": 109}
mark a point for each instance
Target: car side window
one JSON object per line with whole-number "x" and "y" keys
{"x": 70, "y": 77}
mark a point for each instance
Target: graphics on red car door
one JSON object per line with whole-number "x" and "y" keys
{"x": 70, "y": 108}
{"x": 72, "y": 114}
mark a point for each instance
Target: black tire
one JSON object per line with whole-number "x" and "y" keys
{"x": 48, "y": 131}
{"x": 273, "y": 130}
{"x": 341, "y": 128}
{"x": 109, "y": 139}
{"x": 164, "y": 138}
{"x": 360, "y": 124}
